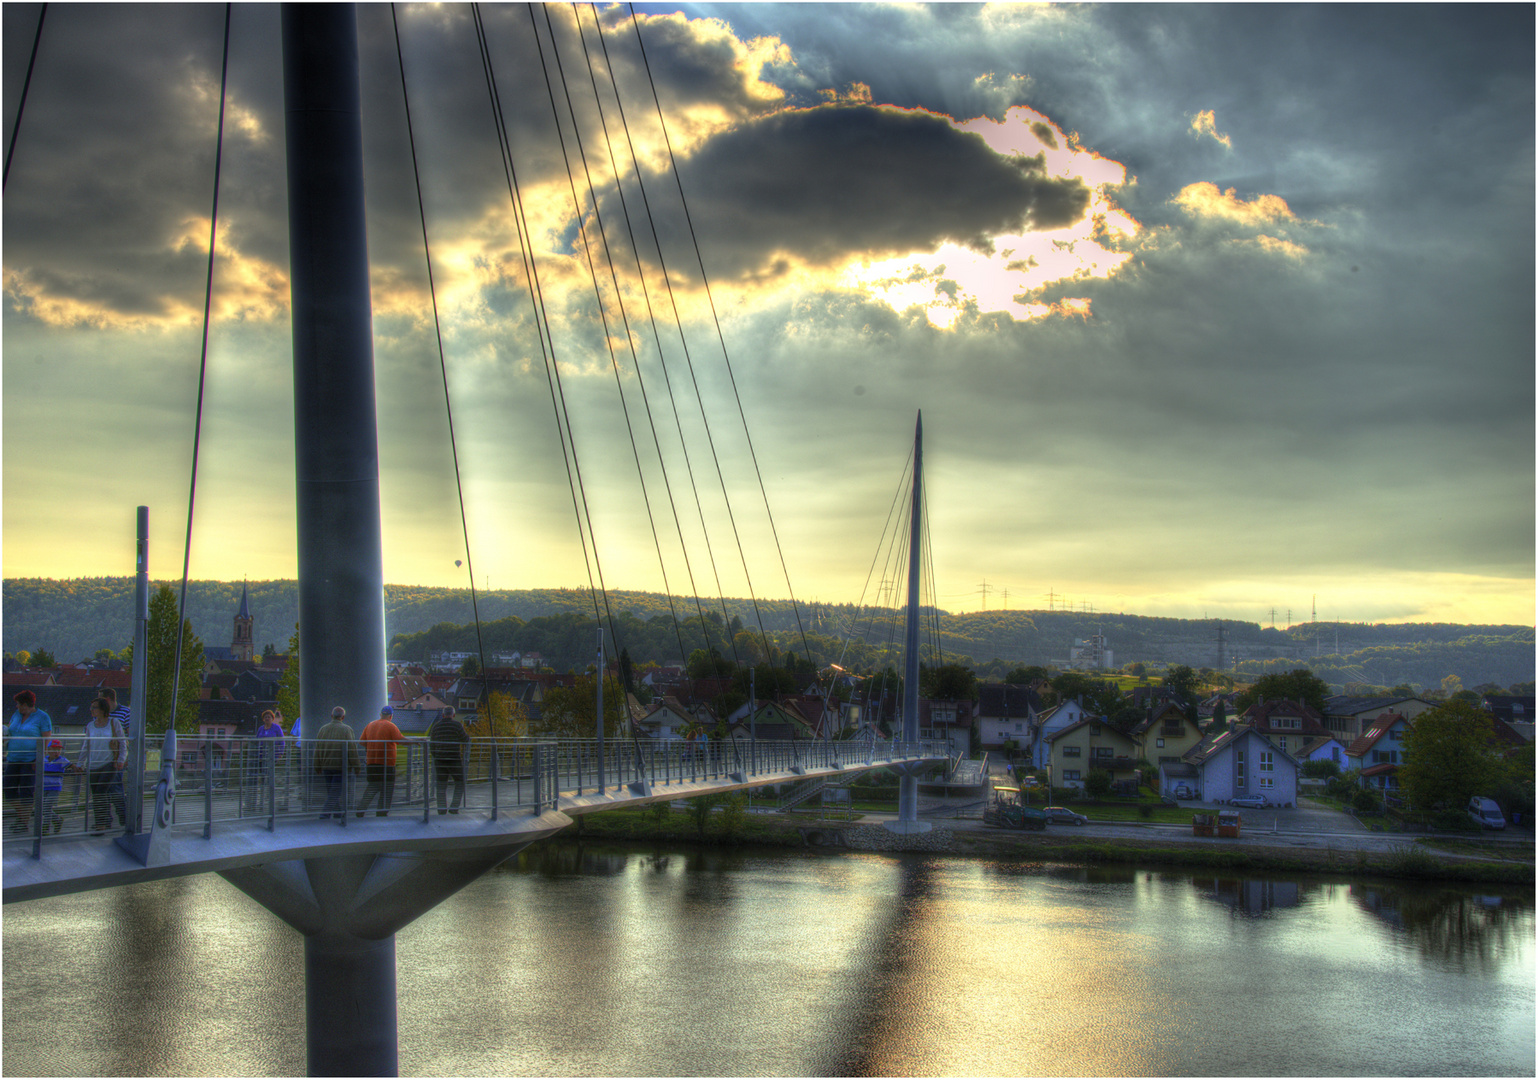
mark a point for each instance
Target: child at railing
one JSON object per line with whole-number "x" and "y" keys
{"x": 54, "y": 768}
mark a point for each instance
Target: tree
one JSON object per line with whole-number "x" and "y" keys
{"x": 1137, "y": 669}
{"x": 1025, "y": 676}
{"x": 1219, "y": 718}
{"x": 572, "y": 711}
{"x": 948, "y": 682}
{"x": 41, "y": 657}
{"x": 1320, "y": 769}
{"x": 1182, "y": 680}
{"x": 1300, "y": 685}
{"x": 268, "y": 652}
{"x": 104, "y": 656}
{"x": 748, "y": 648}
{"x": 1404, "y": 689}
{"x": 471, "y": 667}
{"x": 1451, "y": 685}
{"x": 288, "y": 685}
{"x": 1098, "y": 783}
{"x": 24, "y": 658}
{"x": 1448, "y": 757}
{"x": 160, "y": 668}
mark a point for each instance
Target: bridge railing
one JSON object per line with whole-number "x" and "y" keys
{"x": 225, "y": 779}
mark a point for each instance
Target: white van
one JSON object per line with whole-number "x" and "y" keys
{"x": 1485, "y": 812}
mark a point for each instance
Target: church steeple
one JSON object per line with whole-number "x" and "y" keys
{"x": 243, "y": 644}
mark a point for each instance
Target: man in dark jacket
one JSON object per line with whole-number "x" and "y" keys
{"x": 336, "y": 754}
{"x": 449, "y": 742}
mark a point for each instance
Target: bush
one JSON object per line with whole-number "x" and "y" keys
{"x": 1409, "y": 859}
{"x": 1145, "y": 811}
{"x": 734, "y": 813}
{"x": 1098, "y": 784}
{"x": 660, "y": 810}
{"x": 1452, "y": 821}
{"x": 1364, "y": 801}
{"x": 699, "y": 810}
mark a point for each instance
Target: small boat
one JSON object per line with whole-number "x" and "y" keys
{"x": 1228, "y": 823}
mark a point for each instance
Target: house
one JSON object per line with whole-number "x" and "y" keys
{"x": 947, "y": 721}
{"x": 1348, "y": 718}
{"x": 1242, "y": 761}
{"x": 775, "y": 721}
{"x": 1378, "y": 752}
{"x": 1509, "y": 708}
{"x": 1321, "y": 748}
{"x": 1049, "y": 724}
{"x": 1165, "y": 736}
{"x": 1090, "y": 743}
{"x": 666, "y": 719}
{"x": 1286, "y": 723}
{"x": 1006, "y": 712}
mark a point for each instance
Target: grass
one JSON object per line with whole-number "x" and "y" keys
{"x": 1486, "y": 849}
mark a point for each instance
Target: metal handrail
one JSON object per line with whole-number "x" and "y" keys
{"x": 253, "y": 779}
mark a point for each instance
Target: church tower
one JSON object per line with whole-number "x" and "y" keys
{"x": 242, "y": 646}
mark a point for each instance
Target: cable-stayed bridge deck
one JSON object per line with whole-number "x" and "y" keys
{"x": 265, "y": 808}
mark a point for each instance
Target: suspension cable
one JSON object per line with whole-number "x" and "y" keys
{"x": 197, "y": 425}
{"x": 448, "y": 407}
{"x": 572, "y": 462}
{"x": 705, "y": 279}
{"x": 587, "y": 249}
{"x": 10, "y": 149}
{"x": 619, "y": 187}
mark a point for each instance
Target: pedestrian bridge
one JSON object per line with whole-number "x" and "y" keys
{"x": 257, "y": 804}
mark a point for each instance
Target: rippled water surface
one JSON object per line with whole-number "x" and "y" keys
{"x": 587, "y": 962}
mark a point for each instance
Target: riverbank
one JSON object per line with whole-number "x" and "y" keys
{"x": 1410, "y": 861}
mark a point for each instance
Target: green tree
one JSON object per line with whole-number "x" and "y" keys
{"x": 1098, "y": 783}
{"x": 572, "y": 711}
{"x": 1299, "y": 685}
{"x": 41, "y": 657}
{"x": 1182, "y": 680}
{"x": 1448, "y": 757}
{"x": 471, "y": 667}
{"x": 1320, "y": 769}
{"x": 1402, "y": 690}
{"x": 160, "y": 667}
{"x": 288, "y": 685}
{"x": 1024, "y": 676}
{"x": 1219, "y": 719}
{"x": 700, "y": 808}
{"x": 948, "y": 682}
{"x": 1137, "y": 669}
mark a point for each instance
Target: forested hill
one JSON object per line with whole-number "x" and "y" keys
{"x": 75, "y": 618}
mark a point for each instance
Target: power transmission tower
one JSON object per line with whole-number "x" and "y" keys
{"x": 1220, "y": 644}
{"x": 1006, "y": 598}
{"x": 1051, "y": 596}
{"x": 984, "y": 588}
{"x": 1273, "y": 618}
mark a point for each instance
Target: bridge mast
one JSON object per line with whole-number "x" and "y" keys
{"x": 908, "y": 784}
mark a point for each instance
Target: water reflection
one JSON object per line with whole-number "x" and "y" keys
{"x": 1455, "y": 929}
{"x": 587, "y": 959}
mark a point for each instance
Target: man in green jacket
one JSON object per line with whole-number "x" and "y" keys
{"x": 336, "y": 755}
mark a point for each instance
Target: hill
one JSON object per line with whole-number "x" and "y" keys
{"x": 75, "y": 618}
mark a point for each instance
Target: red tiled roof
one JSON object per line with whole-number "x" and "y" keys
{"x": 1369, "y": 737}
{"x": 29, "y": 678}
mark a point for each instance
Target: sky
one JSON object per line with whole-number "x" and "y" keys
{"x": 1210, "y": 310}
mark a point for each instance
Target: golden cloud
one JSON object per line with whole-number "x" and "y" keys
{"x": 1206, "y": 123}
{"x": 1204, "y": 199}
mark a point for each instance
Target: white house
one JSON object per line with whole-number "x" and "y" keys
{"x": 1241, "y": 761}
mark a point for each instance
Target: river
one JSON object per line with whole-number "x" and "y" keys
{"x": 598, "y": 961}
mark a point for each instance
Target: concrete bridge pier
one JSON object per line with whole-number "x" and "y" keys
{"x": 349, "y": 907}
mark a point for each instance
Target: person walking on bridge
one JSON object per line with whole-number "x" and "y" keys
{"x": 336, "y": 758}
{"x": 449, "y": 741}
{"x": 103, "y": 754}
{"x": 379, "y": 739}
{"x": 26, "y": 737}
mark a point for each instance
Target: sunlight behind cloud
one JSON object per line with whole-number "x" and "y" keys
{"x": 1205, "y": 199}
{"x": 1011, "y": 276}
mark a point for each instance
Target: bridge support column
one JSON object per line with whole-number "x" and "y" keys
{"x": 348, "y": 907}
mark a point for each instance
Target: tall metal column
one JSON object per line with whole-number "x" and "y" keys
{"x": 336, "y": 445}
{"x": 138, "y": 694}
{"x": 908, "y": 783}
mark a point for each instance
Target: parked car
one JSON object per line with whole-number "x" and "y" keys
{"x": 1061, "y": 815}
{"x": 1254, "y": 802}
{"x": 1031, "y": 781}
{"x": 1485, "y": 812}
{"x": 1183, "y": 792}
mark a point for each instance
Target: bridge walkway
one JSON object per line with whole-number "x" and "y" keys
{"x": 264, "y": 808}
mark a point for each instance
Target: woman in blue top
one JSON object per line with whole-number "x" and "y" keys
{"x": 26, "y": 735}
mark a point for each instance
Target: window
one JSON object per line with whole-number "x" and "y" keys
{"x": 1104, "y": 752}
{"x": 1073, "y": 751}
{"x": 1094, "y": 729}
{"x": 1267, "y": 782}
{"x": 1283, "y": 742}
{"x": 1018, "y": 727}
{"x": 1070, "y": 774}
{"x": 1159, "y": 743}
{"x": 1379, "y": 756}
{"x": 1239, "y": 768}
{"x": 1267, "y": 761}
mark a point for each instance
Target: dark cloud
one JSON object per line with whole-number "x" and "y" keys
{"x": 827, "y": 183}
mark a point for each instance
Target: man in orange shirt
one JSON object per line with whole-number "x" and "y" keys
{"x": 379, "y": 739}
